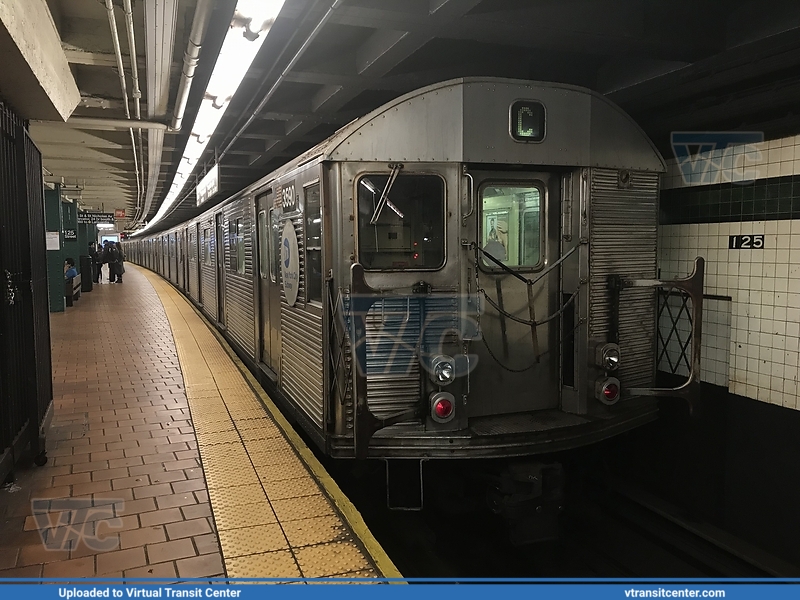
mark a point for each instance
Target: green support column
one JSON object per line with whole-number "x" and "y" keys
{"x": 55, "y": 252}
{"x": 69, "y": 216}
{"x": 83, "y": 237}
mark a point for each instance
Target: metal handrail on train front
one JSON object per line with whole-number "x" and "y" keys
{"x": 693, "y": 286}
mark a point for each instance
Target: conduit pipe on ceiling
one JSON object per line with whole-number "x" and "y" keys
{"x": 312, "y": 36}
{"x": 161, "y": 20}
{"x": 107, "y": 124}
{"x": 137, "y": 92}
{"x": 202, "y": 15}
{"x": 112, "y": 23}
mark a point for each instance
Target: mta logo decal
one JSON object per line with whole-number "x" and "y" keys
{"x": 287, "y": 252}
{"x": 708, "y": 157}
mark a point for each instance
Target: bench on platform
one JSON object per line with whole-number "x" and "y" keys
{"x": 72, "y": 289}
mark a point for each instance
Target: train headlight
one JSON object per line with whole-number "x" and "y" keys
{"x": 443, "y": 407}
{"x": 443, "y": 370}
{"x": 608, "y": 357}
{"x": 607, "y": 390}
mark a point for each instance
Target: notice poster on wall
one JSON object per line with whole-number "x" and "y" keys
{"x": 52, "y": 240}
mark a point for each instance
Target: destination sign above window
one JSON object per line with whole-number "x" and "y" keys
{"x": 527, "y": 121}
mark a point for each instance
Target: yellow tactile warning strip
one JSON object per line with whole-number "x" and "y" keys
{"x": 277, "y": 511}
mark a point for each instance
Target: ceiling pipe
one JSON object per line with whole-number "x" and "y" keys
{"x": 107, "y": 124}
{"x": 137, "y": 92}
{"x": 112, "y": 23}
{"x": 202, "y": 15}
{"x": 161, "y": 23}
{"x": 312, "y": 36}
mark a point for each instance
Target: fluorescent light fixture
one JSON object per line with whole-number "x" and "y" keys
{"x": 248, "y": 30}
{"x": 105, "y": 226}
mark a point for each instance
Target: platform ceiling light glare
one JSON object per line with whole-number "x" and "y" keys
{"x": 248, "y": 30}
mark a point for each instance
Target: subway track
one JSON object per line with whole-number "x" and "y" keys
{"x": 607, "y": 529}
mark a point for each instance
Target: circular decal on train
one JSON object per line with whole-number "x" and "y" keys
{"x": 290, "y": 265}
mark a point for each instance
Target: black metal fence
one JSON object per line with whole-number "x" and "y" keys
{"x": 26, "y": 390}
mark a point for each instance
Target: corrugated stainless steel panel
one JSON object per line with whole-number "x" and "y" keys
{"x": 623, "y": 240}
{"x": 301, "y": 346}
{"x": 240, "y": 316}
{"x": 402, "y": 334}
{"x": 393, "y": 369}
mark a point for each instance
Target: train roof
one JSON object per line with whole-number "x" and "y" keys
{"x": 468, "y": 119}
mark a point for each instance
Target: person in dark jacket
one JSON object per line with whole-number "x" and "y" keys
{"x": 113, "y": 256}
{"x": 96, "y": 264}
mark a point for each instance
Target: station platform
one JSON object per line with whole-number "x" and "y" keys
{"x": 165, "y": 459}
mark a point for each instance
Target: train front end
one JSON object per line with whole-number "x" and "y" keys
{"x": 498, "y": 274}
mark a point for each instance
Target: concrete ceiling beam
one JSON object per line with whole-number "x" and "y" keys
{"x": 35, "y": 77}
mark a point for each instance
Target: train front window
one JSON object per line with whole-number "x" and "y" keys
{"x": 511, "y": 225}
{"x": 405, "y": 229}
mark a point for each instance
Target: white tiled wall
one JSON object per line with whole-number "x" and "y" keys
{"x": 764, "y": 286}
{"x": 775, "y": 158}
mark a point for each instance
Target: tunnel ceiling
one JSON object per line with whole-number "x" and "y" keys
{"x": 673, "y": 65}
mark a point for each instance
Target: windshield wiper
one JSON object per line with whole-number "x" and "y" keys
{"x": 384, "y": 200}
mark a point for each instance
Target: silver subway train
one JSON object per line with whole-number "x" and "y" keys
{"x": 466, "y": 272}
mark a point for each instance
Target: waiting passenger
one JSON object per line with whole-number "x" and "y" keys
{"x": 70, "y": 272}
{"x": 96, "y": 264}
{"x": 113, "y": 256}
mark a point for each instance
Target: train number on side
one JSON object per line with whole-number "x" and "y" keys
{"x": 746, "y": 242}
{"x": 288, "y": 199}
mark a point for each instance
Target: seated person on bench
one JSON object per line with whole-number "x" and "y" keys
{"x": 69, "y": 269}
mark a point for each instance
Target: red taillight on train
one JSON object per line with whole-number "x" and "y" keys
{"x": 443, "y": 407}
{"x": 611, "y": 392}
{"x": 607, "y": 390}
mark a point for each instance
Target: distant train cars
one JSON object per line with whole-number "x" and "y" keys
{"x": 467, "y": 272}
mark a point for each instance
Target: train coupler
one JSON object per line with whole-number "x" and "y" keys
{"x": 530, "y": 497}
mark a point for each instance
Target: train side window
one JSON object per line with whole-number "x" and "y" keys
{"x": 511, "y": 225}
{"x": 232, "y": 241}
{"x": 236, "y": 237}
{"x": 206, "y": 247}
{"x": 240, "y": 267}
{"x": 275, "y": 245}
{"x": 406, "y": 229}
{"x": 263, "y": 245}
{"x": 313, "y": 227}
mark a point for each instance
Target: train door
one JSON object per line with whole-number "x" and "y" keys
{"x": 181, "y": 260}
{"x": 200, "y": 253}
{"x": 268, "y": 290}
{"x": 164, "y": 257}
{"x": 220, "y": 247}
{"x": 173, "y": 274}
{"x": 187, "y": 269}
{"x": 515, "y": 244}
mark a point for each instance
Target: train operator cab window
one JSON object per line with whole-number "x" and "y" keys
{"x": 404, "y": 228}
{"x": 313, "y": 227}
{"x": 511, "y": 225}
